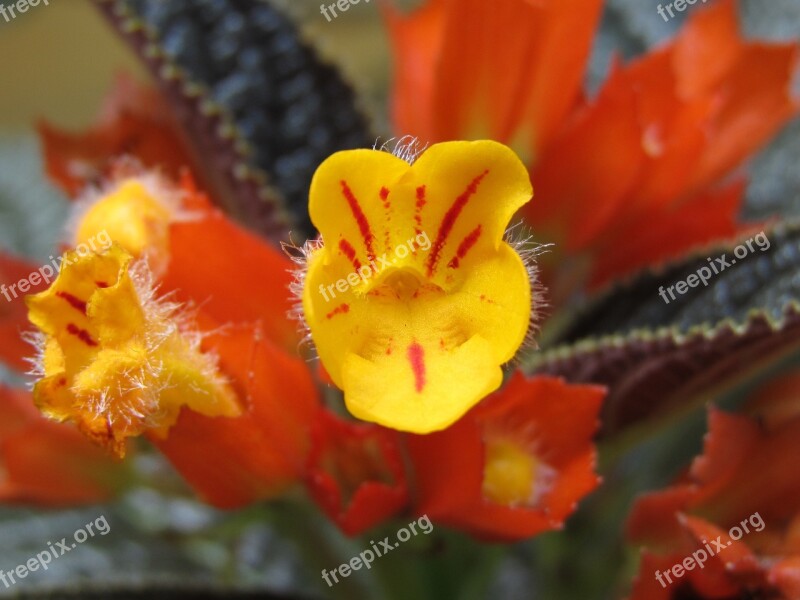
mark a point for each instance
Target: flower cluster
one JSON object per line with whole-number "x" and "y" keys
{"x": 195, "y": 333}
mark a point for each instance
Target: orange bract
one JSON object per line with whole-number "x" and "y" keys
{"x": 746, "y": 479}
{"x": 628, "y": 179}
{"x": 47, "y": 463}
{"x": 470, "y": 475}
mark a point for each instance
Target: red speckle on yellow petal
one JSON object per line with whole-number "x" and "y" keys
{"x": 350, "y": 252}
{"x": 339, "y": 310}
{"x": 73, "y": 301}
{"x": 81, "y": 334}
{"x": 449, "y": 220}
{"x": 416, "y": 356}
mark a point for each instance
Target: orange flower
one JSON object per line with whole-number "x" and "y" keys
{"x": 628, "y": 179}
{"x": 121, "y": 360}
{"x": 515, "y": 465}
{"x": 468, "y": 69}
{"x": 355, "y": 472}
{"x": 742, "y": 489}
{"x": 232, "y": 462}
{"x": 50, "y": 464}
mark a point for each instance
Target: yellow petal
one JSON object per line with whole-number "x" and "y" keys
{"x": 114, "y": 360}
{"x": 415, "y": 301}
{"x": 135, "y": 213}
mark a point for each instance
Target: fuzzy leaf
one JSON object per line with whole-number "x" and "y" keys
{"x": 656, "y": 356}
{"x": 766, "y": 280}
{"x": 253, "y": 99}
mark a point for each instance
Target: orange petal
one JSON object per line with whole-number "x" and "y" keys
{"x": 756, "y": 105}
{"x": 232, "y": 462}
{"x": 13, "y": 312}
{"x": 224, "y": 290}
{"x": 584, "y": 184}
{"x": 355, "y": 472}
{"x": 470, "y": 69}
{"x": 47, "y": 463}
{"x": 551, "y": 421}
{"x": 649, "y": 238}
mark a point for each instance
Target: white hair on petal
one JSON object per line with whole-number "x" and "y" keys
{"x": 300, "y": 256}
{"x": 407, "y": 148}
{"x": 157, "y": 185}
{"x": 147, "y": 379}
{"x": 520, "y": 238}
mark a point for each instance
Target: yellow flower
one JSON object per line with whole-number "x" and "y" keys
{"x": 135, "y": 212}
{"x": 114, "y": 359}
{"x": 415, "y": 300}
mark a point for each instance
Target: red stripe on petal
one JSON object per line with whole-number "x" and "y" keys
{"x": 81, "y": 334}
{"x": 449, "y": 220}
{"x": 420, "y": 204}
{"x": 361, "y": 219}
{"x": 466, "y": 244}
{"x": 350, "y": 252}
{"x": 73, "y": 301}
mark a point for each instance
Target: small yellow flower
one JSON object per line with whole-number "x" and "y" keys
{"x": 114, "y": 359}
{"x": 415, "y": 300}
{"x": 135, "y": 211}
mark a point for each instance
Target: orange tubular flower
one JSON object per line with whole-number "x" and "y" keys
{"x": 49, "y": 464}
{"x": 121, "y": 362}
{"x": 355, "y": 472}
{"x": 231, "y": 462}
{"x": 745, "y": 479}
{"x": 515, "y": 465}
{"x": 468, "y": 69}
{"x": 634, "y": 176}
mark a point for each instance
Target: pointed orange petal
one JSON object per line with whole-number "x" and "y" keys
{"x": 756, "y": 104}
{"x": 13, "y": 312}
{"x": 707, "y": 47}
{"x": 650, "y": 238}
{"x": 232, "y": 462}
{"x": 47, "y": 463}
{"x": 472, "y": 69}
